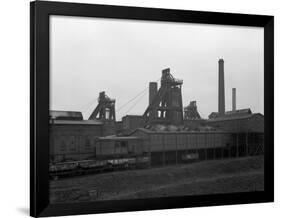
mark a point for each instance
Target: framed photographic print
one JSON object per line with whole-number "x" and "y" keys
{"x": 143, "y": 108}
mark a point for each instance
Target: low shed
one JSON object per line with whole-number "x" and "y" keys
{"x": 119, "y": 146}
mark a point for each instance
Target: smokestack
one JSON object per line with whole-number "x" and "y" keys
{"x": 233, "y": 99}
{"x": 152, "y": 91}
{"x": 221, "y": 88}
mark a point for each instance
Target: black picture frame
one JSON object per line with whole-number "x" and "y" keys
{"x": 39, "y": 106}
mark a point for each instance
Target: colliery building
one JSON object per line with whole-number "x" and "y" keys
{"x": 171, "y": 147}
{"x": 72, "y": 138}
{"x": 237, "y": 120}
{"x": 166, "y": 133}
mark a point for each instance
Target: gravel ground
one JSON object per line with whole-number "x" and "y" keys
{"x": 206, "y": 177}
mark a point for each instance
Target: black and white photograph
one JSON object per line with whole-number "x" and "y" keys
{"x": 140, "y": 108}
{"x": 151, "y": 109}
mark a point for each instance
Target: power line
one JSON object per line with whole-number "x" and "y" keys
{"x": 143, "y": 91}
{"x": 135, "y": 103}
{"x": 132, "y": 99}
{"x": 86, "y": 106}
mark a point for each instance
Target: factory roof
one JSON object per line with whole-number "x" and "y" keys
{"x": 133, "y": 115}
{"x": 237, "y": 117}
{"x": 240, "y": 111}
{"x": 76, "y": 122}
{"x": 65, "y": 115}
{"x": 236, "y": 113}
{"x": 118, "y": 138}
{"x": 148, "y": 131}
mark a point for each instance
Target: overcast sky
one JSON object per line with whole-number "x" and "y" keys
{"x": 121, "y": 57}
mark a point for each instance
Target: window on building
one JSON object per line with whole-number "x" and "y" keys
{"x": 117, "y": 144}
{"x": 87, "y": 142}
{"x": 94, "y": 152}
{"x": 131, "y": 148}
{"x": 62, "y": 145}
{"x": 123, "y": 144}
{"x": 72, "y": 143}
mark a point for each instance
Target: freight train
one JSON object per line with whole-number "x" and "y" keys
{"x": 83, "y": 167}
{"x": 103, "y": 154}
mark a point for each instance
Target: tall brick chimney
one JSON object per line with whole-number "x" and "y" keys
{"x": 153, "y": 89}
{"x": 221, "y": 108}
{"x": 233, "y": 99}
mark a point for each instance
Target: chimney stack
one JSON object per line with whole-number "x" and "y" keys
{"x": 233, "y": 99}
{"x": 221, "y": 108}
{"x": 152, "y": 93}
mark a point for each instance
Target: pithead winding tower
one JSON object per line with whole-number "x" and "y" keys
{"x": 165, "y": 104}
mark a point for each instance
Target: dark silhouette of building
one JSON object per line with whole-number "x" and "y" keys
{"x": 72, "y": 139}
{"x": 165, "y": 106}
{"x": 233, "y": 99}
{"x": 153, "y": 89}
{"x": 239, "y": 122}
{"x": 132, "y": 122}
{"x": 65, "y": 115}
{"x": 221, "y": 101}
{"x": 191, "y": 112}
{"x": 105, "y": 110}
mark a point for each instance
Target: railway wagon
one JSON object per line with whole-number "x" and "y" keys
{"x": 104, "y": 154}
{"x": 124, "y": 147}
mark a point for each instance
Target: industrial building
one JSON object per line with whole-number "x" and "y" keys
{"x": 237, "y": 120}
{"x": 174, "y": 147}
{"x": 72, "y": 140}
{"x": 166, "y": 133}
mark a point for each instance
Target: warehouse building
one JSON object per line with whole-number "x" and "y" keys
{"x": 175, "y": 147}
{"x": 240, "y": 123}
{"x": 236, "y": 120}
{"x": 72, "y": 140}
{"x": 132, "y": 122}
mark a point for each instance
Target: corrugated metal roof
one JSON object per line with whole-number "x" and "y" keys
{"x": 240, "y": 111}
{"x": 177, "y": 132}
{"x": 117, "y": 138}
{"x": 241, "y": 116}
{"x": 65, "y": 115}
{"x": 235, "y": 113}
{"x": 76, "y": 122}
{"x": 133, "y": 115}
